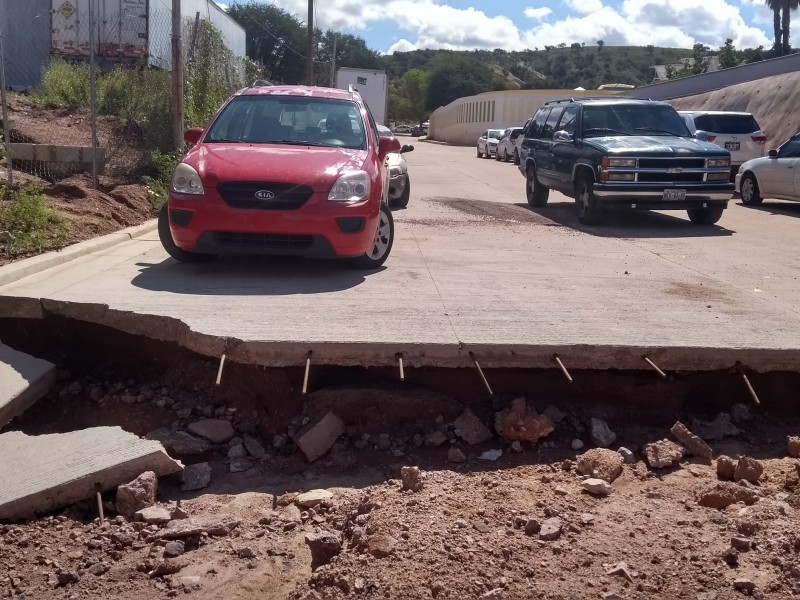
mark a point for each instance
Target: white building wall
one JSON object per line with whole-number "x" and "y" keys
{"x": 462, "y": 121}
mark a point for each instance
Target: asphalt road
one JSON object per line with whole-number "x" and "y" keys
{"x": 473, "y": 269}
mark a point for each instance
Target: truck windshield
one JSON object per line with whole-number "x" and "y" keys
{"x": 632, "y": 119}
{"x": 289, "y": 120}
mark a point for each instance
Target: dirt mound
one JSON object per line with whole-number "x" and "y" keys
{"x": 771, "y": 100}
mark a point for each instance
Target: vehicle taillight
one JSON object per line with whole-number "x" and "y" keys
{"x": 759, "y": 139}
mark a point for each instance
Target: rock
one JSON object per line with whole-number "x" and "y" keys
{"x": 412, "y": 478}
{"x": 237, "y": 451}
{"x": 454, "y": 455}
{"x": 491, "y": 455}
{"x": 598, "y": 487}
{"x": 195, "y": 477}
{"x": 254, "y": 447}
{"x": 551, "y": 529}
{"x": 576, "y": 444}
{"x": 600, "y": 463}
{"x": 621, "y": 569}
{"x": 726, "y": 467}
{"x": 516, "y": 446}
{"x": 532, "y": 527}
{"x": 319, "y": 434}
{"x": 520, "y": 423}
{"x": 68, "y": 577}
{"x": 494, "y": 594}
{"x": 246, "y": 552}
{"x": 239, "y": 465}
{"x": 743, "y": 584}
{"x": 99, "y": 569}
{"x": 311, "y": 498}
{"x": 381, "y": 546}
{"x": 627, "y": 456}
{"x": 153, "y": 515}
{"x": 435, "y": 439}
{"x": 553, "y": 413}
{"x": 742, "y": 544}
{"x": 723, "y": 494}
{"x": 663, "y": 453}
{"x": 793, "y": 445}
{"x": 740, "y": 413}
{"x": 470, "y": 428}
{"x": 601, "y": 433}
{"x": 694, "y": 444}
{"x": 748, "y": 469}
{"x": 139, "y": 493}
{"x": 183, "y": 528}
{"x": 324, "y": 546}
{"x": 179, "y": 442}
{"x": 715, "y": 430}
{"x": 216, "y": 431}
{"x": 384, "y": 442}
{"x": 187, "y": 583}
{"x": 174, "y": 549}
{"x": 169, "y": 566}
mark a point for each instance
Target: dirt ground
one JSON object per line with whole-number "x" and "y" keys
{"x": 519, "y": 526}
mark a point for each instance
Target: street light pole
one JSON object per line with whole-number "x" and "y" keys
{"x": 310, "y": 50}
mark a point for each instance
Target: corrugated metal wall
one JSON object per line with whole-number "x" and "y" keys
{"x": 25, "y": 25}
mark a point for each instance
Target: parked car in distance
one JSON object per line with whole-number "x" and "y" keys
{"x": 487, "y": 143}
{"x": 417, "y": 131}
{"x": 402, "y": 129}
{"x": 625, "y": 154}
{"x": 265, "y": 178}
{"x": 399, "y": 182}
{"x": 506, "y": 144}
{"x": 776, "y": 175}
{"x": 738, "y": 132}
{"x": 518, "y": 141}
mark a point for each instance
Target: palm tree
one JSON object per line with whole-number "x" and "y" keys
{"x": 788, "y": 7}
{"x": 776, "y": 6}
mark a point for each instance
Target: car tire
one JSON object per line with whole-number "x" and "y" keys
{"x": 705, "y": 216}
{"x": 589, "y": 213}
{"x": 381, "y": 245}
{"x": 516, "y": 157}
{"x": 536, "y": 193}
{"x": 402, "y": 201}
{"x": 165, "y": 235}
{"x": 506, "y": 157}
{"x": 497, "y": 155}
{"x": 751, "y": 195}
{"x": 478, "y": 148}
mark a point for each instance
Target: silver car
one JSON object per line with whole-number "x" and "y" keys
{"x": 487, "y": 143}
{"x": 399, "y": 182}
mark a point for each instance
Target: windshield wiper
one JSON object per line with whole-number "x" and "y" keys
{"x": 604, "y": 129}
{"x": 654, "y": 129}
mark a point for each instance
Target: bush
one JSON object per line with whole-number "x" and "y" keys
{"x": 32, "y": 225}
{"x": 162, "y": 164}
{"x": 64, "y": 84}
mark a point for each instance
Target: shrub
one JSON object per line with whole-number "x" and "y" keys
{"x": 64, "y": 84}
{"x": 162, "y": 164}
{"x": 32, "y": 224}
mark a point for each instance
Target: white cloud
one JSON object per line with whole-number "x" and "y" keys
{"x": 585, "y": 7}
{"x": 538, "y": 14}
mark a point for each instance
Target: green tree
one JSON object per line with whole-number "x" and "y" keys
{"x": 728, "y": 55}
{"x": 600, "y": 44}
{"x": 412, "y": 96}
{"x": 455, "y": 75}
{"x": 351, "y": 51}
{"x": 781, "y": 20}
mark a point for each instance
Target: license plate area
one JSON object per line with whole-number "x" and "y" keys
{"x": 732, "y": 145}
{"x": 672, "y": 195}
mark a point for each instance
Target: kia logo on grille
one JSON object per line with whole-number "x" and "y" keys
{"x": 265, "y": 195}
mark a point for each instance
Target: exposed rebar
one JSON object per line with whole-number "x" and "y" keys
{"x": 480, "y": 372}
{"x": 219, "y": 371}
{"x": 400, "y": 363}
{"x": 750, "y": 389}
{"x": 655, "y": 367}
{"x": 563, "y": 368}
{"x": 305, "y": 377}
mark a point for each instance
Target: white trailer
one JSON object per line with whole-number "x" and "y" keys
{"x": 373, "y": 87}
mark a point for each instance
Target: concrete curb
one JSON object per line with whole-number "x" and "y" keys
{"x": 36, "y": 264}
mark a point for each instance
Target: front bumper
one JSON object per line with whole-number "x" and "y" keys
{"x": 397, "y": 185}
{"x": 623, "y": 196}
{"x": 318, "y": 228}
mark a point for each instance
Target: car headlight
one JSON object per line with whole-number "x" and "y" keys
{"x": 352, "y": 186}
{"x": 395, "y": 172}
{"x": 718, "y": 162}
{"x": 622, "y": 162}
{"x": 185, "y": 180}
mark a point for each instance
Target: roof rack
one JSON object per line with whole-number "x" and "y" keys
{"x": 262, "y": 83}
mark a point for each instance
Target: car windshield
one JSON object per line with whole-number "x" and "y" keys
{"x": 494, "y": 133}
{"x": 726, "y": 124}
{"x": 289, "y": 120}
{"x": 632, "y": 119}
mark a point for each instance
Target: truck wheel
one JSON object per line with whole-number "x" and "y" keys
{"x": 402, "y": 201}
{"x": 516, "y": 157}
{"x": 478, "y": 148}
{"x": 704, "y": 216}
{"x": 381, "y": 245}
{"x": 165, "y": 235}
{"x": 537, "y": 194}
{"x": 751, "y": 196}
{"x": 589, "y": 213}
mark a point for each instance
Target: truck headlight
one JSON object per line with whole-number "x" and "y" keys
{"x": 352, "y": 186}
{"x": 718, "y": 162}
{"x": 185, "y": 180}
{"x": 621, "y": 162}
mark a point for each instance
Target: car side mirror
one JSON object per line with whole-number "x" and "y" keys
{"x": 387, "y": 145}
{"x": 406, "y": 148}
{"x": 193, "y": 135}
{"x": 773, "y": 153}
{"x": 562, "y": 136}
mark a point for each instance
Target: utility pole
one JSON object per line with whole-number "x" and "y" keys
{"x": 177, "y": 77}
{"x": 6, "y": 126}
{"x": 92, "y": 93}
{"x": 310, "y": 50}
{"x": 333, "y": 61}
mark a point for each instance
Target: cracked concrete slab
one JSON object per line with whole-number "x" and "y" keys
{"x": 46, "y": 472}
{"x": 23, "y": 380}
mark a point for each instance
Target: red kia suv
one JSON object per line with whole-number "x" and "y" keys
{"x": 283, "y": 170}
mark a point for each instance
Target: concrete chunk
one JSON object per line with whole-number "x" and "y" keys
{"x": 23, "y": 380}
{"x": 317, "y": 437}
{"x": 46, "y": 472}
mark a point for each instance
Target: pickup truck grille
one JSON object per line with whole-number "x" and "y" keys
{"x": 666, "y": 171}
{"x": 672, "y": 163}
{"x": 660, "y": 176}
{"x": 284, "y": 196}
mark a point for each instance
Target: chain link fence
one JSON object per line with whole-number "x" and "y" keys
{"x": 51, "y": 113}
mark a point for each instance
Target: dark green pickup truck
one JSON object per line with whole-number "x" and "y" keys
{"x": 620, "y": 153}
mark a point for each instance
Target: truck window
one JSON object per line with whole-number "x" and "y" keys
{"x": 538, "y": 121}
{"x": 568, "y": 119}
{"x": 550, "y": 125}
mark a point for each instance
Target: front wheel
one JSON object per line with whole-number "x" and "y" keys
{"x": 381, "y": 245}
{"x": 478, "y": 148}
{"x": 589, "y": 212}
{"x": 516, "y": 157}
{"x": 402, "y": 201}
{"x": 704, "y": 216}
{"x": 751, "y": 196}
{"x": 536, "y": 193}
{"x": 165, "y": 235}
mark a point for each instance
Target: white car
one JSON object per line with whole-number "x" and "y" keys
{"x": 507, "y": 144}
{"x": 402, "y": 129}
{"x": 738, "y": 132}
{"x": 774, "y": 176}
{"x": 487, "y": 143}
{"x": 399, "y": 182}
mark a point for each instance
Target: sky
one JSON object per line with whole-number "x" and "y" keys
{"x": 401, "y": 25}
